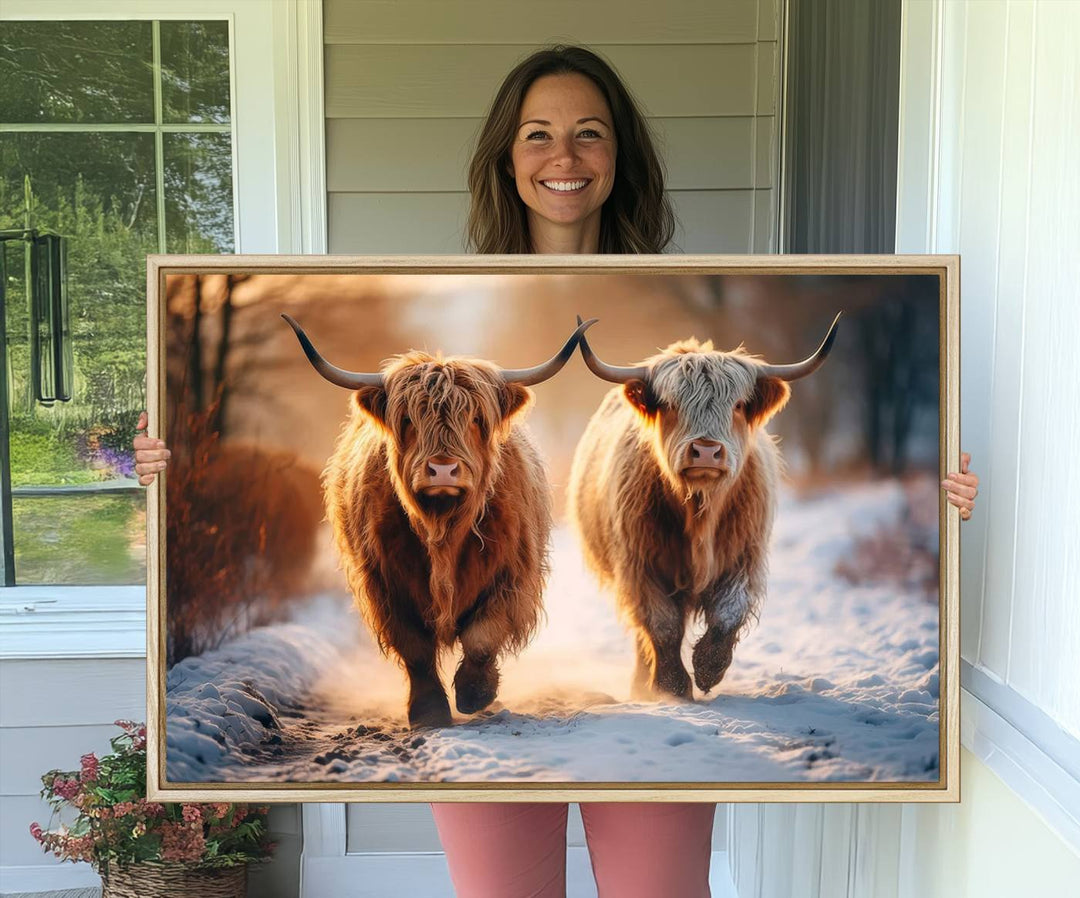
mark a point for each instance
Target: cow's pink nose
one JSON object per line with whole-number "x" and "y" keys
{"x": 708, "y": 454}
{"x": 444, "y": 474}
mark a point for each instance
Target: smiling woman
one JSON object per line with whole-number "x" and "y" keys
{"x": 562, "y": 117}
{"x": 563, "y": 162}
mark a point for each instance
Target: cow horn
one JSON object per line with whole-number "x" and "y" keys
{"x": 527, "y": 377}
{"x": 608, "y": 372}
{"x": 806, "y": 366}
{"x": 350, "y": 380}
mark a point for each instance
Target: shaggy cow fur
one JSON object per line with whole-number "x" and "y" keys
{"x": 430, "y": 568}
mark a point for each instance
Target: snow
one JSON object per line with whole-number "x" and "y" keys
{"x": 836, "y": 682}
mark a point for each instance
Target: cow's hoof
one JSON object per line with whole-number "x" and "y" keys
{"x": 475, "y": 687}
{"x": 432, "y": 710}
{"x": 712, "y": 658}
{"x": 673, "y": 684}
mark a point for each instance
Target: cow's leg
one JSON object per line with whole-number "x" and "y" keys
{"x": 727, "y": 607}
{"x": 658, "y": 669}
{"x": 656, "y": 678}
{"x": 482, "y": 632}
{"x": 428, "y": 705}
{"x": 712, "y": 656}
{"x": 476, "y": 682}
{"x": 503, "y": 617}
{"x": 402, "y": 631}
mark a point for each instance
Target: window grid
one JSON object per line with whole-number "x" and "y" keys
{"x": 159, "y": 128}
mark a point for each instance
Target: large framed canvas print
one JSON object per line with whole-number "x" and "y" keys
{"x": 554, "y": 528}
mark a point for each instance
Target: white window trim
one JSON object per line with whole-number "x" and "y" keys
{"x": 279, "y": 189}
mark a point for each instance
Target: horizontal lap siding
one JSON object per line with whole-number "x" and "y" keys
{"x": 53, "y": 712}
{"x": 529, "y": 23}
{"x": 422, "y": 155}
{"x": 460, "y": 80}
{"x": 408, "y": 84}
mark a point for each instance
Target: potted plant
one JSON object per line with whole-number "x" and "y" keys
{"x": 142, "y": 847}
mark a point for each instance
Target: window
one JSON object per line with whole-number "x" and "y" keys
{"x": 118, "y": 136}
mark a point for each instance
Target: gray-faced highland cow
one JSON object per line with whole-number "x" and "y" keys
{"x": 441, "y": 512}
{"x": 673, "y": 492}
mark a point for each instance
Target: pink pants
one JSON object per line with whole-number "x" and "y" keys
{"x": 518, "y": 850}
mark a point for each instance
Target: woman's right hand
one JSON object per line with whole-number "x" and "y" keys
{"x": 151, "y": 455}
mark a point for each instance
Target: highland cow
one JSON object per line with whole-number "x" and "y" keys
{"x": 673, "y": 492}
{"x": 441, "y": 511}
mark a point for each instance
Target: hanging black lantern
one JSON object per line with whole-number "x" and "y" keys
{"x": 51, "y": 358}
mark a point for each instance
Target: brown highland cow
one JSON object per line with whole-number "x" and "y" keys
{"x": 441, "y": 511}
{"x": 673, "y": 491}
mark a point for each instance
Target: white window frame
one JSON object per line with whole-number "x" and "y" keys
{"x": 279, "y": 202}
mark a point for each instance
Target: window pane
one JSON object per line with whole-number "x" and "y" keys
{"x": 195, "y": 71}
{"x": 198, "y": 193}
{"x": 98, "y": 190}
{"x": 76, "y": 72}
{"x": 81, "y": 540}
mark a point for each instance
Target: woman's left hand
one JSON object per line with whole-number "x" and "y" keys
{"x": 962, "y": 488}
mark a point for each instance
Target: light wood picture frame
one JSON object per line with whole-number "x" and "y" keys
{"x": 833, "y": 630}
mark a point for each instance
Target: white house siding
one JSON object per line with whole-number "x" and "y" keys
{"x": 998, "y": 181}
{"x": 1012, "y": 159}
{"x": 408, "y": 82}
{"x": 988, "y": 168}
{"x": 53, "y": 711}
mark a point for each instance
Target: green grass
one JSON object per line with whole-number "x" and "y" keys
{"x": 41, "y": 459}
{"x": 84, "y": 540}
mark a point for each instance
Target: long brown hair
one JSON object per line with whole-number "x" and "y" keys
{"x": 637, "y": 216}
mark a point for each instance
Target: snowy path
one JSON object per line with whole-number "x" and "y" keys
{"x": 836, "y": 682}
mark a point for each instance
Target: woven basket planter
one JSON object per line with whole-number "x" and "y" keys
{"x": 174, "y": 881}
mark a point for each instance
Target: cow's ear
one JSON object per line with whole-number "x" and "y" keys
{"x": 372, "y": 402}
{"x": 769, "y": 396}
{"x": 512, "y": 399}
{"x": 640, "y": 396}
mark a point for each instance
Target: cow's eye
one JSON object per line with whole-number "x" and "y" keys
{"x": 740, "y": 405}
{"x": 406, "y": 422}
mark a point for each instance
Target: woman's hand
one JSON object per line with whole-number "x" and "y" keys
{"x": 962, "y": 488}
{"x": 151, "y": 455}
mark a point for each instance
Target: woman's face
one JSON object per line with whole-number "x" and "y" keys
{"x": 563, "y": 154}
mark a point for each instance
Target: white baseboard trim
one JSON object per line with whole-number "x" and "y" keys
{"x": 399, "y": 873}
{"x": 46, "y": 878}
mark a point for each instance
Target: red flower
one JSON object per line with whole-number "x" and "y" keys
{"x": 192, "y": 814}
{"x": 89, "y": 767}
{"x": 150, "y": 808}
{"x": 36, "y": 831}
{"x": 181, "y": 842}
{"x": 65, "y": 788}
